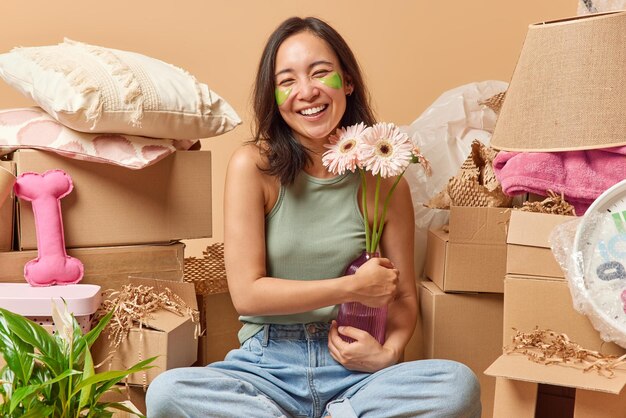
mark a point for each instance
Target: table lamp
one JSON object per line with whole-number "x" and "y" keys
{"x": 568, "y": 90}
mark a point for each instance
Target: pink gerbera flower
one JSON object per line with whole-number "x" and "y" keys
{"x": 419, "y": 158}
{"x": 342, "y": 150}
{"x": 385, "y": 150}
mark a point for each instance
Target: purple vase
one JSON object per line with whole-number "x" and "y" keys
{"x": 355, "y": 314}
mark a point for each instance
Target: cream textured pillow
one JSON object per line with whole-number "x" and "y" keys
{"x": 100, "y": 90}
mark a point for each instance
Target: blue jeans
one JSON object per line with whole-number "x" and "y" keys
{"x": 287, "y": 371}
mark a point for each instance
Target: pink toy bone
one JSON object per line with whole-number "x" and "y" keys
{"x": 624, "y": 300}
{"x": 53, "y": 265}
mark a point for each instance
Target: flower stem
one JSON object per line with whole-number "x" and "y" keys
{"x": 375, "y": 238}
{"x": 379, "y": 233}
{"x": 366, "y": 221}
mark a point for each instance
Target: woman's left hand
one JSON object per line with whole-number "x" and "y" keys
{"x": 365, "y": 354}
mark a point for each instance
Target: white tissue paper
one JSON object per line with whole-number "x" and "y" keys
{"x": 444, "y": 133}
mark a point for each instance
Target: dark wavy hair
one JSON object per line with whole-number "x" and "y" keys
{"x": 287, "y": 157}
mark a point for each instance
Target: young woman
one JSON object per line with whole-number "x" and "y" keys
{"x": 291, "y": 228}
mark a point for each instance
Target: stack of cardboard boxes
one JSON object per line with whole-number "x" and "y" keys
{"x": 121, "y": 223}
{"x": 536, "y": 295}
{"x": 461, "y": 300}
{"x": 490, "y": 273}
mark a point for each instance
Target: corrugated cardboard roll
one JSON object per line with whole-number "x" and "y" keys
{"x": 568, "y": 91}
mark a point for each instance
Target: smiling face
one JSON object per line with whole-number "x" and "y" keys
{"x": 310, "y": 87}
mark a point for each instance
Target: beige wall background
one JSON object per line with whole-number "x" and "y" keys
{"x": 411, "y": 51}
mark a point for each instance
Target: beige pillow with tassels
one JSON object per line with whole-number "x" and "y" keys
{"x": 100, "y": 90}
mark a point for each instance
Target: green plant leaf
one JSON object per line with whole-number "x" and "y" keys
{"x": 8, "y": 377}
{"x": 94, "y": 333}
{"x": 52, "y": 364}
{"x": 16, "y": 353}
{"x": 77, "y": 333}
{"x": 21, "y": 393}
{"x": 99, "y": 411}
{"x": 121, "y": 407}
{"x": 32, "y": 333}
{"x": 39, "y": 411}
{"x": 6, "y": 389}
{"x": 90, "y": 337}
{"x": 41, "y": 373}
{"x": 24, "y": 391}
{"x": 114, "y": 375}
{"x": 86, "y": 393}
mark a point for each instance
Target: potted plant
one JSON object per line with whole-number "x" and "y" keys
{"x": 52, "y": 375}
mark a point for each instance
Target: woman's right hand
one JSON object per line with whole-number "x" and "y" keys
{"x": 375, "y": 283}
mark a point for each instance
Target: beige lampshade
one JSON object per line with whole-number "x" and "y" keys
{"x": 7, "y": 180}
{"x": 568, "y": 91}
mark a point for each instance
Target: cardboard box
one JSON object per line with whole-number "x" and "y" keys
{"x": 133, "y": 397}
{"x": 220, "y": 322}
{"x": 517, "y": 389}
{"x": 528, "y": 248}
{"x": 466, "y": 328}
{"x": 109, "y": 267}
{"x": 170, "y": 337}
{"x": 113, "y": 205}
{"x": 7, "y": 211}
{"x": 472, "y": 256}
{"x": 546, "y": 303}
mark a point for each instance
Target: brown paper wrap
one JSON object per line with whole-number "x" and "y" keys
{"x": 475, "y": 184}
{"x": 208, "y": 274}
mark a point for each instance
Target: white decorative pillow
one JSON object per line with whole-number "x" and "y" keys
{"x": 33, "y": 128}
{"x": 100, "y": 90}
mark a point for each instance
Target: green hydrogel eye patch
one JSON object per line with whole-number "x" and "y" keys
{"x": 281, "y": 95}
{"x": 332, "y": 80}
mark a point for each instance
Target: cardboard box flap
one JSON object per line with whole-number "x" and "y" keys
{"x": 163, "y": 320}
{"x": 478, "y": 225}
{"x": 431, "y": 288}
{"x": 518, "y": 367}
{"x": 533, "y": 229}
{"x": 124, "y": 259}
{"x": 441, "y": 234}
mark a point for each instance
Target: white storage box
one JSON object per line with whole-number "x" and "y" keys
{"x": 35, "y": 303}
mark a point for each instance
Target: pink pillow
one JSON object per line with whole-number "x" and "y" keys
{"x": 53, "y": 265}
{"x": 34, "y": 128}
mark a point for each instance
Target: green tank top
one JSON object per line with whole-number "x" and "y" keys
{"x": 314, "y": 231}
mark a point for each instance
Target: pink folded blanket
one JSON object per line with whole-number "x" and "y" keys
{"x": 580, "y": 175}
